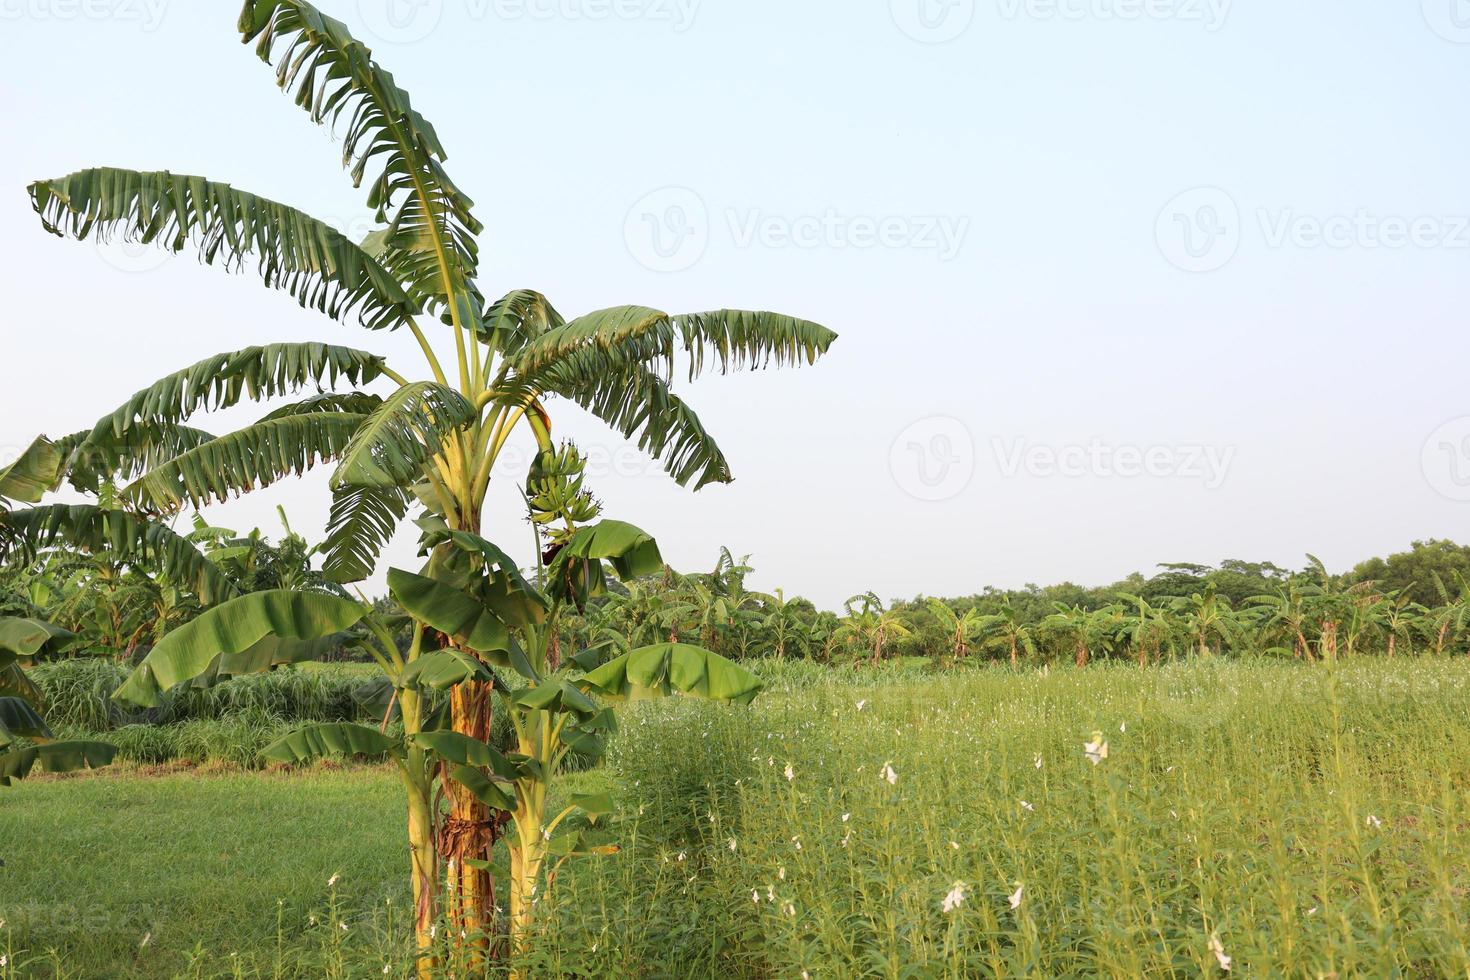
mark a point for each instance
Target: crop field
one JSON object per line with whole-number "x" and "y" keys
{"x": 1263, "y": 817}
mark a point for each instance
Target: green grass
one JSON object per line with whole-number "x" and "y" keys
{"x": 1311, "y": 820}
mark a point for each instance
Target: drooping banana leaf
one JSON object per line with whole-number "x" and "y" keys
{"x": 332, "y": 741}
{"x": 54, "y": 757}
{"x": 30, "y": 638}
{"x": 19, "y": 720}
{"x": 233, "y": 628}
{"x": 576, "y": 573}
{"x": 32, "y": 474}
{"x": 673, "y": 668}
{"x": 449, "y": 611}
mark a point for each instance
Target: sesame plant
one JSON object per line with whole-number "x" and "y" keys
{"x": 426, "y": 447}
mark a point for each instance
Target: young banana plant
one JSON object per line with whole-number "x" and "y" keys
{"x": 430, "y": 444}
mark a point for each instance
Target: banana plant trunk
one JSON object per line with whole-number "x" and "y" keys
{"x": 424, "y": 874}
{"x": 526, "y": 859}
{"x": 468, "y": 833}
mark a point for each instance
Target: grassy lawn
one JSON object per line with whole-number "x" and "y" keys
{"x": 94, "y": 864}
{"x": 1307, "y": 821}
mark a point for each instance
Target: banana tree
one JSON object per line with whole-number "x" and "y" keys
{"x": 22, "y": 640}
{"x": 1007, "y": 630}
{"x": 785, "y": 625}
{"x": 960, "y": 628}
{"x": 478, "y": 625}
{"x": 429, "y": 444}
{"x": 1146, "y": 627}
{"x": 869, "y": 625}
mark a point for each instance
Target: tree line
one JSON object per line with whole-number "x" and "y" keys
{"x": 1413, "y": 602}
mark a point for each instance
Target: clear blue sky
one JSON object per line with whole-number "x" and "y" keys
{"x": 983, "y": 198}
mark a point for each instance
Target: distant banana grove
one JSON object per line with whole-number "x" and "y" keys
{"x": 1409, "y": 604}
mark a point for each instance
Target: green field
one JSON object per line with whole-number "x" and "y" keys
{"x": 1311, "y": 819}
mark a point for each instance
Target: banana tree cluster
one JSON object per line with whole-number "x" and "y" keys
{"x": 399, "y": 447}
{"x": 22, "y": 641}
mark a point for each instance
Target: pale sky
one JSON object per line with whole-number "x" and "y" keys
{"x": 1117, "y": 281}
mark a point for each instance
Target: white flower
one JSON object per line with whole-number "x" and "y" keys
{"x": 1123, "y": 728}
{"x": 954, "y": 845}
{"x": 788, "y": 909}
{"x": 790, "y": 773}
{"x": 781, "y": 872}
{"x": 1312, "y": 910}
{"x": 846, "y": 817}
{"x": 862, "y": 704}
{"x": 1027, "y": 807}
{"x": 889, "y": 774}
{"x": 770, "y": 893}
{"x": 732, "y": 845}
{"x": 755, "y": 896}
{"x": 955, "y": 898}
{"x": 797, "y": 841}
{"x": 1218, "y": 949}
{"x": 681, "y": 856}
{"x": 343, "y": 925}
{"x": 1097, "y": 749}
{"x": 1017, "y": 895}
{"x": 1038, "y": 760}
{"x": 387, "y": 969}
{"x": 4, "y": 961}
{"x": 332, "y": 881}
{"x": 1373, "y": 822}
